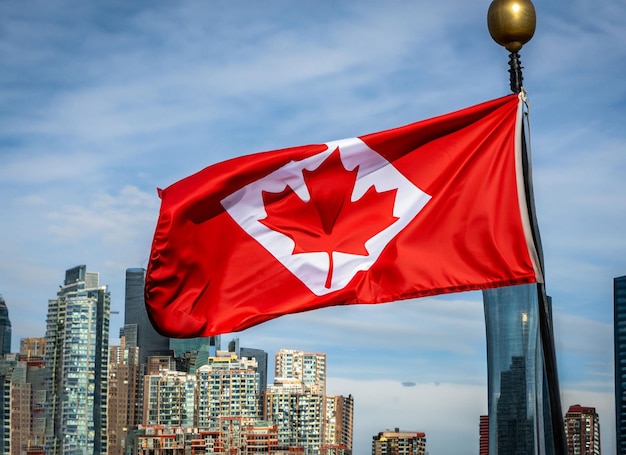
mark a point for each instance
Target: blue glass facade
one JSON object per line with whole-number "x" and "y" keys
{"x": 192, "y": 353}
{"x": 137, "y": 326}
{"x": 619, "y": 307}
{"x": 5, "y": 328}
{"x": 516, "y": 379}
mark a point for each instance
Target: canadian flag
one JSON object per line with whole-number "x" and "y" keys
{"x": 433, "y": 207}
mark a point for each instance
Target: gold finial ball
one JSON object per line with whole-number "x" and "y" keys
{"x": 511, "y": 22}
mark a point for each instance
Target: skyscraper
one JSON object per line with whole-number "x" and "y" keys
{"x": 122, "y": 403}
{"x": 582, "y": 429}
{"x": 308, "y": 367}
{"x": 619, "y": 320}
{"x": 261, "y": 359}
{"x": 516, "y": 368}
{"x": 298, "y": 413}
{"x": 338, "y": 423}
{"x": 138, "y": 329}
{"x": 5, "y": 328}
{"x": 227, "y": 387}
{"x": 77, "y": 339}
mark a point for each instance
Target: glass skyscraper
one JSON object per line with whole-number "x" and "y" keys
{"x": 192, "y": 353}
{"x": 138, "y": 329}
{"x": 77, "y": 343}
{"x": 5, "y": 328}
{"x": 619, "y": 308}
{"x": 515, "y": 368}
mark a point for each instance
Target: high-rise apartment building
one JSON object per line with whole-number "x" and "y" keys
{"x": 5, "y": 328}
{"x": 399, "y": 443}
{"x": 23, "y": 381}
{"x": 77, "y": 343}
{"x": 261, "y": 358}
{"x": 228, "y": 387}
{"x": 37, "y": 375}
{"x": 338, "y": 423}
{"x": 307, "y": 419}
{"x": 7, "y": 367}
{"x": 619, "y": 339}
{"x": 258, "y": 354}
{"x": 123, "y": 403}
{"x": 308, "y": 367}
{"x": 20, "y": 405}
{"x": 169, "y": 399}
{"x": 298, "y": 413}
{"x": 582, "y": 429}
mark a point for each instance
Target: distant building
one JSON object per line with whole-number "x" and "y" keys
{"x": 619, "y": 300}
{"x": 123, "y": 402}
{"x": 582, "y": 429}
{"x": 169, "y": 399}
{"x": 138, "y": 329}
{"x": 158, "y": 363}
{"x": 7, "y": 367}
{"x": 77, "y": 345}
{"x": 261, "y": 359}
{"x": 483, "y": 442}
{"x": 308, "y": 421}
{"x": 298, "y": 413}
{"x": 32, "y": 347}
{"x": 261, "y": 438}
{"x": 22, "y": 405}
{"x": 20, "y": 416}
{"x": 192, "y": 353}
{"x": 5, "y": 328}
{"x": 258, "y": 439}
{"x": 399, "y": 443}
{"x": 338, "y": 425}
{"x": 258, "y": 354}
{"x": 308, "y": 367}
{"x": 227, "y": 388}
{"x": 217, "y": 409}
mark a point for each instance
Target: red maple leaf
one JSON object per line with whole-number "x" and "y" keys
{"x": 329, "y": 222}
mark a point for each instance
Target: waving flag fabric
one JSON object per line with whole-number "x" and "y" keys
{"x": 433, "y": 207}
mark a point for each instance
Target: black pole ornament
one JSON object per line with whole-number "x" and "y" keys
{"x": 515, "y": 72}
{"x": 512, "y": 24}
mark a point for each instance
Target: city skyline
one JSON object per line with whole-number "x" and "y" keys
{"x": 289, "y": 363}
{"x": 103, "y": 103}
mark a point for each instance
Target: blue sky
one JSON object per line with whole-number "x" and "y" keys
{"x": 103, "y": 102}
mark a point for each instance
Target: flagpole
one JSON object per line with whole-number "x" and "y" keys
{"x": 511, "y": 24}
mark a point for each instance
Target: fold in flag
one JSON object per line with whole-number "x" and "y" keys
{"x": 433, "y": 207}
